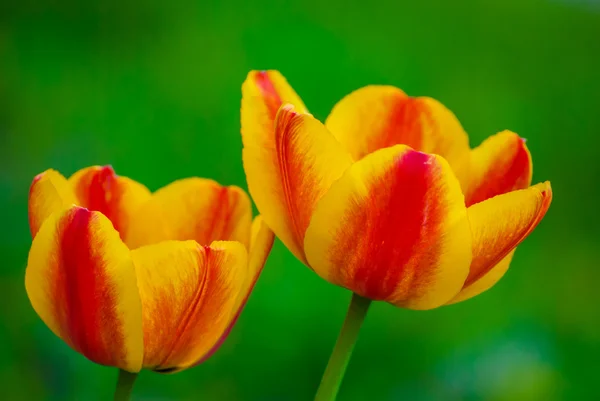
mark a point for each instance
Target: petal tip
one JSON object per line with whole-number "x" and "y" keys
{"x": 43, "y": 174}
{"x": 545, "y": 188}
{"x": 108, "y": 169}
{"x": 547, "y": 191}
{"x": 38, "y": 177}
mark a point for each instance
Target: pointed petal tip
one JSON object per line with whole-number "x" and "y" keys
{"x": 108, "y": 168}
{"x": 37, "y": 178}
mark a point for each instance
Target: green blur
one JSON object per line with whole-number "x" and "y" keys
{"x": 153, "y": 88}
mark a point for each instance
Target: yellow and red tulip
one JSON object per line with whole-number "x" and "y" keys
{"x": 134, "y": 279}
{"x": 386, "y": 198}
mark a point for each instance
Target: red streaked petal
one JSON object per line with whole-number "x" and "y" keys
{"x": 287, "y": 179}
{"x": 498, "y": 225}
{"x": 193, "y": 209}
{"x": 501, "y": 164}
{"x": 393, "y": 227}
{"x": 81, "y": 281}
{"x": 260, "y": 247}
{"x": 99, "y": 188}
{"x": 49, "y": 192}
{"x": 188, "y": 294}
{"x": 376, "y": 117}
{"x": 263, "y": 93}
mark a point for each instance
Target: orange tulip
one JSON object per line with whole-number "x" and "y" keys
{"x": 138, "y": 280}
{"x": 386, "y": 198}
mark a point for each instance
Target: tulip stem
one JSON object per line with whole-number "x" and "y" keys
{"x": 124, "y": 385}
{"x": 334, "y": 373}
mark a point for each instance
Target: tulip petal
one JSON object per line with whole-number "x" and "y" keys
{"x": 486, "y": 281}
{"x": 501, "y": 164}
{"x": 49, "y": 192}
{"x": 99, "y": 188}
{"x": 260, "y": 247}
{"x": 288, "y": 179}
{"x": 188, "y": 294}
{"x": 376, "y": 117}
{"x": 193, "y": 209}
{"x": 263, "y": 93}
{"x": 81, "y": 282}
{"x": 393, "y": 227}
{"x": 501, "y": 223}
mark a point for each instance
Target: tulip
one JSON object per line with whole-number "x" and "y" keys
{"x": 386, "y": 198}
{"x": 140, "y": 280}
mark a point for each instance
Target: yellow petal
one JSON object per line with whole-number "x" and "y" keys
{"x": 376, "y": 117}
{"x": 263, "y": 93}
{"x": 188, "y": 294}
{"x": 81, "y": 282}
{"x": 498, "y": 225}
{"x": 486, "y": 281}
{"x": 99, "y": 188}
{"x": 393, "y": 227}
{"x": 193, "y": 209}
{"x": 287, "y": 179}
{"x": 501, "y": 164}
{"x": 49, "y": 192}
{"x": 260, "y": 247}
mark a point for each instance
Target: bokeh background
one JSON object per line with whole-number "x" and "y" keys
{"x": 153, "y": 88}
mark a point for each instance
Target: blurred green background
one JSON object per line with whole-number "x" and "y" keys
{"x": 153, "y": 88}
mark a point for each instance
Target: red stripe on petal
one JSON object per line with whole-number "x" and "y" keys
{"x": 87, "y": 292}
{"x": 400, "y": 227}
{"x": 98, "y": 190}
{"x": 81, "y": 281}
{"x": 501, "y": 164}
{"x": 404, "y": 125}
{"x": 271, "y": 98}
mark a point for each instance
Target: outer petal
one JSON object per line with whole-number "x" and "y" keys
{"x": 501, "y": 164}
{"x": 263, "y": 93}
{"x": 81, "y": 281}
{"x": 99, "y": 188}
{"x": 498, "y": 225}
{"x": 49, "y": 192}
{"x": 260, "y": 247}
{"x": 486, "y": 281}
{"x": 393, "y": 228}
{"x": 376, "y": 117}
{"x": 193, "y": 209}
{"x": 287, "y": 179}
{"x": 188, "y": 295}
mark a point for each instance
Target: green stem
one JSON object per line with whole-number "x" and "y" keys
{"x": 124, "y": 385}
{"x": 342, "y": 351}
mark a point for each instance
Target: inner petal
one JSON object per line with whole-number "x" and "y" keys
{"x": 376, "y": 117}
{"x": 99, "y": 188}
{"x": 192, "y": 209}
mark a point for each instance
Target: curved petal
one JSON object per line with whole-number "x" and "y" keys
{"x": 49, "y": 192}
{"x": 501, "y": 164}
{"x": 376, "y": 117}
{"x": 260, "y": 247}
{"x": 81, "y": 282}
{"x": 188, "y": 294}
{"x": 99, "y": 188}
{"x": 263, "y": 93}
{"x": 287, "y": 180}
{"x": 498, "y": 225}
{"x": 393, "y": 227}
{"x": 193, "y": 209}
{"x": 486, "y": 281}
